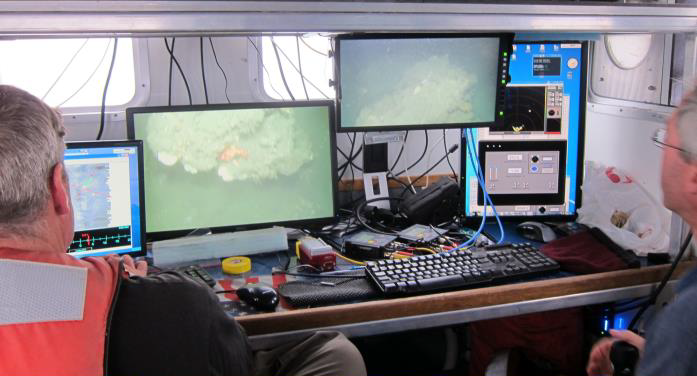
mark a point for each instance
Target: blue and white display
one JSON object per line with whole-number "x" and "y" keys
{"x": 105, "y": 189}
{"x": 544, "y": 104}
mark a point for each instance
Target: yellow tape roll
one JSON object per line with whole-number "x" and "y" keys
{"x": 237, "y": 265}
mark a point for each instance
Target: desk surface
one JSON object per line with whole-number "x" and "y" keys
{"x": 381, "y": 316}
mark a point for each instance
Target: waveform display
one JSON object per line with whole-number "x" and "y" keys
{"x": 91, "y": 240}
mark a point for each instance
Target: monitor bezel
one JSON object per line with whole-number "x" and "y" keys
{"x": 581, "y": 141}
{"x": 141, "y": 190}
{"x": 162, "y": 235}
{"x": 505, "y": 43}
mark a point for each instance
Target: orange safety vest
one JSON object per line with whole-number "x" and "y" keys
{"x": 58, "y": 347}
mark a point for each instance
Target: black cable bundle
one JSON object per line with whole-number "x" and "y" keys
{"x": 106, "y": 88}
{"x": 652, "y": 299}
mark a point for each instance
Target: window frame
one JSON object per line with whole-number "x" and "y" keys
{"x": 140, "y": 96}
{"x": 256, "y": 71}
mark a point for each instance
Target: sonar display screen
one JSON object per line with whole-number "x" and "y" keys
{"x": 235, "y": 165}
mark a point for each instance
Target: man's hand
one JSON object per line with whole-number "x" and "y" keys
{"x": 133, "y": 268}
{"x": 599, "y": 359}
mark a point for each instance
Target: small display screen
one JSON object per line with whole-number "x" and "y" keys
{"x": 417, "y": 82}
{"x": 546, "y": 66}
{"x": 106, "y": 194}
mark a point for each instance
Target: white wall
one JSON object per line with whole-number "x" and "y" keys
{"x": 625, "y": 143}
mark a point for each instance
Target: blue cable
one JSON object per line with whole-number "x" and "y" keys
{"x": 486, "y": 194}
{"x": 471, "y": 152}
{"x": 477, "y": 173}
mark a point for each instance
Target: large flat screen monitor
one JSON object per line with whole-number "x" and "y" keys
{"x": 106, "y": 190}
{"x": 420, "y": 81}
{"x": 532, "y": 162}
{"x": 229, "y": 167}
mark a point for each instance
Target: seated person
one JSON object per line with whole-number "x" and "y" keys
{"x": 671, "y": 342}
{"x": 113, "y": 319}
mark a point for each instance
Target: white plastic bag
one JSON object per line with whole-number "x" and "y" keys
{"x": 623, "y": 209}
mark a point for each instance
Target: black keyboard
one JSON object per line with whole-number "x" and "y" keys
{"x": 197, "y": 273}
{"x": 462, "y": 268}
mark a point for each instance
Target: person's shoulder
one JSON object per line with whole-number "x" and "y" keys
{"x": 168, "y": 286}
{"x": 671, "y": 340}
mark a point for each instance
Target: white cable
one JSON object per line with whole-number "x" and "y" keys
{"x": 428, "y": 159}
{"x": 406, "y": 171}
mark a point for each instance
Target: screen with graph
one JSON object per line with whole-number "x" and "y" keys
{"x": 106, "y": 193}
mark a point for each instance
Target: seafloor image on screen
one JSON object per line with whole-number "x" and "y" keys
{"x": 418, "y": 81}
{"x": 232, "y": 167}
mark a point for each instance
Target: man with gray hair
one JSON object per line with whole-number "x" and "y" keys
{"x": 670, "y": 347}
{"x": 65, "y": 316}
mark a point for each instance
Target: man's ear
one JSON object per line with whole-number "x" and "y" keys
{"x": 60, "y": 191}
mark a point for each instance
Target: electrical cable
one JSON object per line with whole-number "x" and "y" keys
{"x": 390, "y": 177}
{"x": 300, "y": 67}
{"x": 359, "y": 207}
{"x": 423, "y": 154}
{"x": 203, "y": 70}
{"x": 493, "y": 207}
{"x": 474, "y": 237}
{"x": 445, "y": 147}
{"x": 399, "y": 155}
{"x": 99, "y": 65}
{"x": 349, "y": 158}
{"x": 311, "y": 48}
{"x": 352, "y": 158}
{"x": 179, "y": 67}
{"x": 171, "y": 63}
{"x": 353, "y": 176}
{"x": 482, "y": 182}
{"x": 298, "y": 70}
{"x": 348, "y": 161}
{"x": 318, "y": 275}
{"x": 350, "y": 260}
{"x": 408, "y": 175}
{"x": 65, "y": 69}
{"x": 106, "y": 88}
{"x": 263, "y": 66}
{"x": 451, "y": 150}
{"x": 280, "y": 69}
{"x": 654, "y": 295}
{"x": 430, "y": 153}
{"x": 215, "y": 56}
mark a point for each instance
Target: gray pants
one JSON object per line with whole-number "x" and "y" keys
{"x": 322, "y": 354}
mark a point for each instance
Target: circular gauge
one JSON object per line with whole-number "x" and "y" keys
{"x": 572, "y": 63}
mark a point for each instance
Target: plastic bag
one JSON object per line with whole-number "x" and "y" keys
{"x": 623, "y": 209}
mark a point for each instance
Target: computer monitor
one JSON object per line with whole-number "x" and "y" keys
{"x": 106, "y": 190}
{"x": 533, "y": 161}
{"x": 417, "y": 81}
{"x": 239, "y": 166}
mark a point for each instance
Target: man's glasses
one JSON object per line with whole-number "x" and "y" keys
{"x": 659, "y": 140}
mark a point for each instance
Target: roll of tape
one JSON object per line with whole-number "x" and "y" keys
{"x": 237, "y": 265}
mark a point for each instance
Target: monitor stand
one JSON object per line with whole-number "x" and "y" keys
{"x": 375, "y": 174}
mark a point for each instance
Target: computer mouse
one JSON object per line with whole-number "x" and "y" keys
{"x": 536, "y": 231}
{"x": 263, "y": 298}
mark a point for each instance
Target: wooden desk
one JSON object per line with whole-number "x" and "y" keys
{"x": 392, "y": 315}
